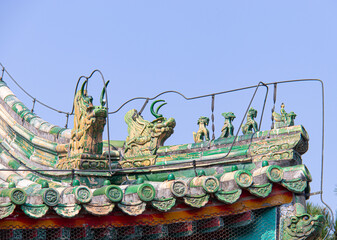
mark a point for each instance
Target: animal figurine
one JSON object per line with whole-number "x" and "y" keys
{"x": 202, "y": 134}
{"x": 89, "y": 122}
{"x": 251, "y": 124}
{"x": 285, "y": 119}
{"x": 228, "y": 128}
{"x": 86, "y": 137}
{"x": 146, "y": 137}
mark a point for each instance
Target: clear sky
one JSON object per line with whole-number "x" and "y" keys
{"x": 195, "y": 47}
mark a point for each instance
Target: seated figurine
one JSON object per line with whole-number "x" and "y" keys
{"x": 202, "y": 134}
{"x": 285, "y": 119}
{"x": 251, "y": 124}
{"x": 228, "y": 128}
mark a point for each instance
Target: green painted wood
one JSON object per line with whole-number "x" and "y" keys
{"x": 253, "y": 231}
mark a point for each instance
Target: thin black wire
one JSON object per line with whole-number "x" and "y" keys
{"x": 107, "y": 108}
{"x": 3, "y": 71}
{"x": 274, "y": 101}
{"x": 17, "y": 84}
{"x": 182, "y": 95}
{"x": 212, "y": 117}
{"x": 171, "y": 164}
{"x": 192, "y": 98}
{"x": 322, "y": 166}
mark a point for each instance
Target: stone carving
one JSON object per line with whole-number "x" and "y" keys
{"x": 164, "y": 205}
{"x": 133, "y": 210}
{"x": 179, "y": 188}
{"x": 145, "y": 138}
{"x": 51, "y": 197}
{"x": 67, "y": 211}
{"x": 288, "y": 154}
{"x": 146, "y": 192}
{"x": 228, "y": 128}
{"x": 6, "y": 209}
{"x": 115, "y": 194}
{"x": 274, "y": 173}
{"x": 83, "y": 194}
{"x": 202, "y": 134}
{"x": 86, "y": 136}
{"x": 284, "y": 119}
{"x": 89, "y": 121}
{"x": 302, "y": 227}
{"x": 297, "y": 185}
{"x": 243, "y": 178}
{"x": 35, "y": 211}
{"x": 197, "y": 202}
{"x": 18, "y": 196}
{"x": 99, "y": 210}
{"x": 251, "y": 124}
{"x": 256, "y": 149}
{"x": 211, "y": 184}
{"x": 261, "y": 190}
{"x": 228, "y": 197}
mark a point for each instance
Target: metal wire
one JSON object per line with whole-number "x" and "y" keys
{"x": 212, "y": 109}
{"x": 148, "y": 168}
{"x": 143, "y": 107}
{"x": 17, "y": 84}
{"x": 273, "y": 109}
{"x": 34, "y": 101}
{"x": 186, "y": 98}
{"x": 2, "y": 72}
{"x": 107, "y": 108}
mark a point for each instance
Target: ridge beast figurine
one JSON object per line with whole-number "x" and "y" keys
{"x": 86, "y": 136}
{"x": 228, "y": 128}
{"x": 202, "y": 134}
{"x": 145, "y": 137}
{"x": 285, "y": 119}
{"x": 251, "y": 124}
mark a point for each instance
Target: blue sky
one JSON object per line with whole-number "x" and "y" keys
{"x": 195, "y": 47}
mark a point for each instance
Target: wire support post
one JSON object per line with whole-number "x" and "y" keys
{"x": 67, "y": 119}
{"x": 34, "y": 101}
{"x": 274, "y": 102}
{"x": 195, "y": 168}
{"x": 2, "y": 74}
{"x": 212, "y": 117}
{"x": 29, "y": 95}
{"x": 144, "y": 105}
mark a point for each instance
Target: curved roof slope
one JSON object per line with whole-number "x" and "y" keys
{"x": 26, "y": 139}
{"x": 29, "y": 120}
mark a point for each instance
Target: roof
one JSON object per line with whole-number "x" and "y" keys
{"x": 254, "y": 171}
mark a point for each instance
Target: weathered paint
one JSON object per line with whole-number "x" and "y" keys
{"x": 151, "y": 218}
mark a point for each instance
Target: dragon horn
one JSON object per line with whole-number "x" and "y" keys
{"x": 82, "y": 88}
{"x": 155, "y": 113}
{"x": 103, "y": 94}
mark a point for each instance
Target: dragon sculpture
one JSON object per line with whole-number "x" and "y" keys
{"x": 285, "y": 119}
{"x": 302, "y": 226}
{"x": 202, "y": 134}
{"x": 86, "y": 136}
{"x": 145, "y": 137}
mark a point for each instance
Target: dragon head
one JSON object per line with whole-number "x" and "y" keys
{"x": 146, "y": 137}
{"x": 89, "y": 122}
{"x": 303, "y": 226}
{"x": 84, "y": 103}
